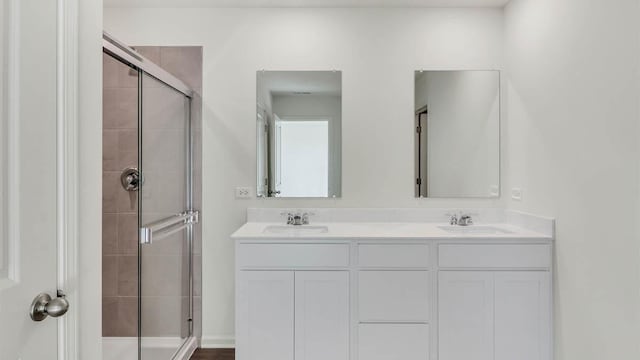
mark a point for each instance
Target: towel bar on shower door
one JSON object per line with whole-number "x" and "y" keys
{"x": 167, "y": 226}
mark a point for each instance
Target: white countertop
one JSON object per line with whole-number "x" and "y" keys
{"x": 383, "y": 230}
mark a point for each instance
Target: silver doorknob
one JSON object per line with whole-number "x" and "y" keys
{"x": 43, "y": 305}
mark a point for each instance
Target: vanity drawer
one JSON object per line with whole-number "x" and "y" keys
{"x": 393, "y": 342}
{"x": 292, "y": 255}
{"x": 494, "y": 256}
{"x": 393, "y": 296}
{"x": 393, "y": 255}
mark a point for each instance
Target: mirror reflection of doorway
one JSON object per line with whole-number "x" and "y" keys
{"x": 422, "y": 153}
{"x": 302, "y": 157}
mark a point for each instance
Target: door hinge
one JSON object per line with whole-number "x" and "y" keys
{"x": 418, "y": 181}
{"x": 419, "y": 129}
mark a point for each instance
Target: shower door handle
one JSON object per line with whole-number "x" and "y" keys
{"x": 168, "y": 226}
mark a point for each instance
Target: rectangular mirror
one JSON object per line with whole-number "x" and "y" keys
{"x": 457, "y": 134}
{"x": 299, "y": 140}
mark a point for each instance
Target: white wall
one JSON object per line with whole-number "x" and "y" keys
{"x": 572, "y": 130}
{"x": 463, "y": 132}
{"x": 377, "y": 51}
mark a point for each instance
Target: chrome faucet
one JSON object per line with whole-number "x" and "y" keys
{"x": 461, "y": 220}
{"x": 465, "y": 220}
{"x": 297, "y": 219}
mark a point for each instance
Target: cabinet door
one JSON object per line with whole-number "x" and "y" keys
{"x": 465, "y": 315}
{"x": 522, "y": 316}
{"x": 321, "y": 315}
{"x": 265, "y": 315}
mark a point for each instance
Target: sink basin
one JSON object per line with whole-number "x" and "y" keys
{"x": 475, "y": 230}
{"x": 295, "y": 230}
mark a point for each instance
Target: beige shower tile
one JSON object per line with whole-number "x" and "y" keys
{"x": 109, "y": 234}
{"x": 128, "y": 140}
{"x": 120, "y": 108}
{"x": 110, "y": 150}
{"x": 150, "y": 52}
{"x": 110, "y": 316}
{"x": 164, "y": 192}
{"x": 110, "y": 189}
{"x": 165, "y": 150}
{"x": 164, "y": 108}
{"x": 115, "y": 74}
{"x": 127, "y": 316}
{"x": 127, "y": 201}
{"x": 170, "y": 245}
{"x": 165, "y": 275}
{"x": 163, "y": 315}
{"x": 128, "y": 276}
{"x": 184, "y": 62}
{"x": 109, "y": 275}
{"x": 128, "y": 234}
{"x": 127, "y": 159}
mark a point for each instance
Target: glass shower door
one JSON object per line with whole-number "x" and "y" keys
{"x": 165, "y": 238}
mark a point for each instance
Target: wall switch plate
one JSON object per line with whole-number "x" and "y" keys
{"x": 243, "y": 193}
{"x": 516, "y": 194}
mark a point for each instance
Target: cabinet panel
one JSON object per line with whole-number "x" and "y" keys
{"x": 494, "y": 256}
{"x": 393, "y": 295}
{"x": 393, "y": 342}
{"x": 465, "y": 315}
{"x": 522, "y": 316}
{"x": 293, "y": 255}
{"x": 321, "y": 315}
{"x": 393, "y": 255}
{"x": 265, "y": 315}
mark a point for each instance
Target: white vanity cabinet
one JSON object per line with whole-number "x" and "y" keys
{"x": 494, "y": 307}
{"x": 398, "y": 299}
{"x": 293, "y": 302}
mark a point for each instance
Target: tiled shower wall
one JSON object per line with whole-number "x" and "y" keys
{"x": 120, "y": 150}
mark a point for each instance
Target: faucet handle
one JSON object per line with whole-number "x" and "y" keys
{"x": 453, "y": 218}
{"x": 305, "y": 217}
{"x": 289, "y": 216}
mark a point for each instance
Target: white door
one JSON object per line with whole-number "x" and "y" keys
{"x": 522, "y": 316}
{"x": 265, "y": 315}
{"x": 465, "y": 315}
{"x": 28, "y": 206}
{"x": 322, "y": 315}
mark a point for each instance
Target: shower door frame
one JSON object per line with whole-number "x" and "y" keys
{"x": 128, "y": 56}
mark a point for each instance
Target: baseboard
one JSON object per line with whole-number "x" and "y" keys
{"x": 218, "y": 342}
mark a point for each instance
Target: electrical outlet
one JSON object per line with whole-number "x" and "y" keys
{"x": 516, "y": 194}
{"x": 243, "y": 192}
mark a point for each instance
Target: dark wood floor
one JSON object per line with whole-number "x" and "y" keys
{"x": 214, "y": 354}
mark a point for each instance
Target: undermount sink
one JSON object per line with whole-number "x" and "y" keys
{"x": 297, "y": 230}
{"x": 475, "y": 229}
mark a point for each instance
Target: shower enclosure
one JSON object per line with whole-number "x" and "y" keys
{"x": 148, "y": 167}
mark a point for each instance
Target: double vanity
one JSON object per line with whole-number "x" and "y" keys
{"x": 393, "y": 284}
